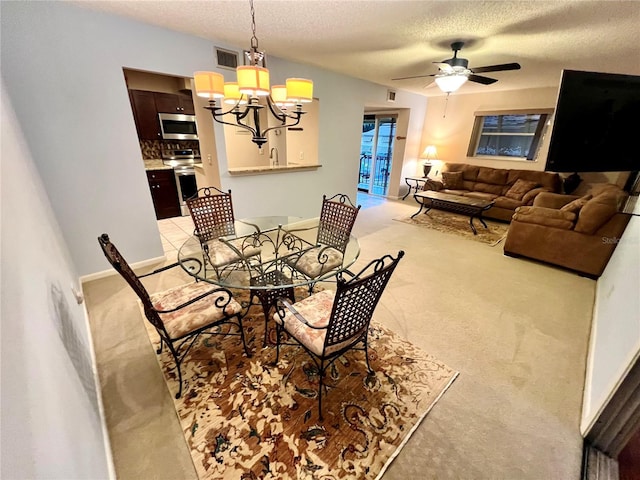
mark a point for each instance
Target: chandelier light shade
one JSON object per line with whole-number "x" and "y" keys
{"x": 299, "y": 90}
{"x": 244, "y": 95}
{"x": 209, "y": 85}
{"x": 253, "y": 81}
{"x": 279, "y": 96}
{"x": 451, "y": 82}
{"x": 232, "y": 95}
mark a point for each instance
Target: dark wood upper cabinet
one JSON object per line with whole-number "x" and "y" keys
{"x": 174, "y": 103}
{"x": 145, "y": 114}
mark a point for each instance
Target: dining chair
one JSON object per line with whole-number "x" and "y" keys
{"x": 212, "y": 212}
{"x": 337, "y": 217}
{"x": 181, "y": 314}
{"x": 329, "y": 323}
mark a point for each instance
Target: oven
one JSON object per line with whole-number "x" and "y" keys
{"x": 183, "y": 163}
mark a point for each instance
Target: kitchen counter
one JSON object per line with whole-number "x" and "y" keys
{"x": 156, "y": 164}
{"x": 239, "y": 171}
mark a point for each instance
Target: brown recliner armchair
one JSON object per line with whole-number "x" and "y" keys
{"x": 577, "y": 233}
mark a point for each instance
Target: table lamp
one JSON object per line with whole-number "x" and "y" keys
{"x": 429, "y": 154}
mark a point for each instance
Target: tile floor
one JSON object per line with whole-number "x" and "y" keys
{"x": 175, "y": 231}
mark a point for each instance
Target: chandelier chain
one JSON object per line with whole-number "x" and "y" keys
{"x": 254, "y": 39}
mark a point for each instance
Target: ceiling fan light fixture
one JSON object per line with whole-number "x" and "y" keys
{"x": 450, "y": 83}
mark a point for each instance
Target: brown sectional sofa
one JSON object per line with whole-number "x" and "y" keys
{"x": 580, "y": 237}
{"x": 494, "y": 184}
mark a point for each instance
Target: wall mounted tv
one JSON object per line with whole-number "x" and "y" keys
{"x": 597, "y": 123}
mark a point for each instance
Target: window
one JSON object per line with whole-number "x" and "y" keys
{"x": 514, "y": 135}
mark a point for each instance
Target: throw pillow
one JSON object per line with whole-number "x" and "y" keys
{"x": 452, "y": 180}
{"x": 577, "y": 204}
{"x": 520, "y": 188}
{"x": 531, "y": 195}
{"x": 593, "y": 216}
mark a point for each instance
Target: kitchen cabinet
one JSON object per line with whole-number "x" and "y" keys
{"x": 174, "y": 103}
{"x": 164, "y": 193}
{"x": 145, "y": 114}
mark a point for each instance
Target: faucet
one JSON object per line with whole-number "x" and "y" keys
{"x": 275, "y": 162}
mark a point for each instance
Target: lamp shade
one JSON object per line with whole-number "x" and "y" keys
{"x": 232, "y": 94}
{"x": 430, "y": 153}
{"x": 209, "y": 84}
{"x": 299, "y": 90}
{"x": 279, "y": 96}
{"x": 450, "y": 83}
{"x": 253, "y": 80}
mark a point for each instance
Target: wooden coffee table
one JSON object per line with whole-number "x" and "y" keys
{"x": 454, "y": 203}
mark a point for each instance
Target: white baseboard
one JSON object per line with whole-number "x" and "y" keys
{"x": 111, "y": 271}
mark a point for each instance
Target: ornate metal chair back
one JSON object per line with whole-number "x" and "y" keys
{"x": 337, "y": 218}
{"x": 357, "y": 298}
{"x": 212, "y": 213}
{"x": 121, "y": 266}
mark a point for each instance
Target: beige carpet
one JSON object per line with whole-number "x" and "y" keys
{"x": 516, "y": 330}
{"x": 456, "y": 224}
{"x": 246, "y": 418}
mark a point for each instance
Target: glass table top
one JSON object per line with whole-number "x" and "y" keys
{"x": 278, "y": 239}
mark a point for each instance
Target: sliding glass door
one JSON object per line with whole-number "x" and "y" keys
{"x": 376, "y": 153}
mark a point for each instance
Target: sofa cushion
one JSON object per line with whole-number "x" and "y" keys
{"x": 531, "y": 195}
{"x": 469, "y": 172}
{"x": 577, "y": 204}
{"x": 452, "y": 180}
{"x": 493, "y": 176}
{"x": 468, "y": 185}
{"x": 520, "y": 188}
{"x": 596, "y": 189}
{"x": 488, "y": 188}
{"x": 546, "y": 179}
{"x": 549, "y": 217}
{"x": 506, "y": 202}
{"x": 596, "y": 213}
{"x": 454, "y": 192}
{"x": 481, "y": 195}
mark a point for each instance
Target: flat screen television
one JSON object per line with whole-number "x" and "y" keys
{"x": 597, "y": 123}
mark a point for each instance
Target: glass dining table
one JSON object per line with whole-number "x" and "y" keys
{"x": 260, "y": 256}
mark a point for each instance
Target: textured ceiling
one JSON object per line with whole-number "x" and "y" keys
{"x": 379, "y": 40}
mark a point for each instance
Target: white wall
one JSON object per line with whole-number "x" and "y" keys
{"x": 342, "y": 101}
{"x": 63, "y": 71}
{"x": 51, "y": 425}
{"x": 615, "y": 334}
{"x": 449, "y": 123}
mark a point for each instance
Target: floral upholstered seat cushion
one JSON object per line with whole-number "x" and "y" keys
{"x": 193, "y": 316}
{"x": 221, "y": 254}
{"x": 317, "y": 261}
{"x": 316, "y": 310}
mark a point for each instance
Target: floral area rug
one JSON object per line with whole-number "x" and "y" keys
{"x": 456, "y": 224}
{"x": 244, "y": 418}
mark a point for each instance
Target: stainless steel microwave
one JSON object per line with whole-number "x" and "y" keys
{"x": 177, "y": 126}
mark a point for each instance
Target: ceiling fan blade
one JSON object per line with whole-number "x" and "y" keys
{"x": 444, "y": 67}
{"x": 481, "y": 79}
{"x": 430, "y": 85}
{"x": 497, "y": 68}
{"x": 415, "y": 76}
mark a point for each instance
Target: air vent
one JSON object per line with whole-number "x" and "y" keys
{"x": 391, "y": 95}
{"x": 226, "y": 58}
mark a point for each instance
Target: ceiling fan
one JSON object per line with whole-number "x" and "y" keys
{"x": 455, "y": 71}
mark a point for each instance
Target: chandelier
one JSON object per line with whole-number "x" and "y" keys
{"x": 242, "y": 98}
